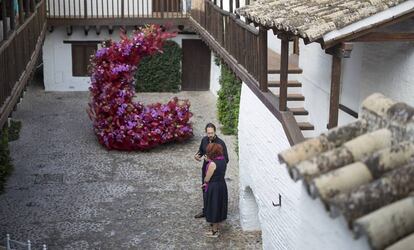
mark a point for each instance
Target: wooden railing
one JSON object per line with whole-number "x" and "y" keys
{"x": 243, "y": 47}
{"x": 246, "y": 43}
{"x": 23, "y": 35}
{"x": 115, "y": 9}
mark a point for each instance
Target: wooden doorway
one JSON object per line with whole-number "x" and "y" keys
{"x": 166, "y": 6}
{"x": 196, "y": 65}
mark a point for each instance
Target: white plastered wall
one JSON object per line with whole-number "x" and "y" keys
{"x": 57, "y": 57}
{"x": 300, "y": 223}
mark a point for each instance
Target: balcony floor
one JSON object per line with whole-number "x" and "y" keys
{"x": 70, "y": 193}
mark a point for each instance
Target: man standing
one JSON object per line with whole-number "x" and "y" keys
{"x": 211, "y": 137}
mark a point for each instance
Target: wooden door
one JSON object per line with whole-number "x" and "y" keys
{"x": 165, "y": 5}
{"x": 196, "y": 65}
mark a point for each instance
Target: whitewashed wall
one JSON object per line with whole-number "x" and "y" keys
{"x": 300, "y": 223}
{"x": 214, "y": 76}
{"x": 57, "y": 57}
{"x": 373, "y": 67}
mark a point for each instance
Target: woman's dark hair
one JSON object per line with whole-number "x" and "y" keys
{"x": 210, "y": 125}
{"x": 214, "y": 150}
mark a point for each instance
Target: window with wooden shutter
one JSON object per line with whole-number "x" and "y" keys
{"x": 81, "y": 53}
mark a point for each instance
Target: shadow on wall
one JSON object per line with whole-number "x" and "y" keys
{"x": 249, "y": 211}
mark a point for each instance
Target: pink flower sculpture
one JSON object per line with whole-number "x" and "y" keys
{"x": 118, "y": 121}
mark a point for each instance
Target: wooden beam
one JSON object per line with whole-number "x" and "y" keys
{"x": 284, "y": 67}
{"x": 335, "y": 89}
{"x": 262, "y": 59}
{"x": 351, "y": 37}
{"x": 385, "y": 37}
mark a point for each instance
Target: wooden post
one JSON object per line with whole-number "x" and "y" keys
{"x": 85, "y": 9}
{"x": 335, "y": 89}
{"x": 338, "y": 52}
{"x": 231, "y": 6}
{"x": 296, "y": 45}
{"x": 284, "y": 67}
{"x": 122, "y": 9}
{"x": 4, "y": 19}
{"x": 21, "y": 12}
{"x": 27, "y": 8}
{"x": 262, "y": 47}
{"x": 12, "y": 15}
{"x": 32, "y": 6}
{"x": 162, "y": 8}
{"x": 237, "y": 6}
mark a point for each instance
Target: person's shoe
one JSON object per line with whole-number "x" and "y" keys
{"x": 199, "y": 215}
{"x": 212, "y": 234}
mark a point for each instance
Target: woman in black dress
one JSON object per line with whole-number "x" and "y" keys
{"x": 215, "y": 189}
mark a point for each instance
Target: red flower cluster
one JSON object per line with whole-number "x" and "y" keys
{"x": 119, "y": 122}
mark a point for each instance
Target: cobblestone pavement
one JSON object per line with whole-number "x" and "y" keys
{"x": 70, "y": 193}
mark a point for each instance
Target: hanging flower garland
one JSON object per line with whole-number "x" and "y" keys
{"x": 118, "y": 121}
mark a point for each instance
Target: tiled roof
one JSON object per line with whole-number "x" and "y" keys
{"x": 364, "y": 171}
{"x": 311, "y": 19}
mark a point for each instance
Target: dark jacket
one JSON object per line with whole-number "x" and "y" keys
{"x": 203, "y": 150}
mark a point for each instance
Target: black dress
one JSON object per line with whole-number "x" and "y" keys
{"x": 216, "y": 197}
{"x": 202, "y": 151}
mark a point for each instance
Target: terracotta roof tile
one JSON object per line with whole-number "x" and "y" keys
{"x": 364, "y": 171}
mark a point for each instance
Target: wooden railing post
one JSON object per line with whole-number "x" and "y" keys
{"x": 262, "y": 62}
{"x": 26, "y": 8}
{"x": 231, "y": 6}
{"x": 12, "y": 15}
{"x": 4, "y": 19}
{"x": 21, "y": 12}
{"x": 122, "y": 8}
{"x": 284, "y": 67}
{"x": 85, "y": 9}
{"x": 162, "y": 8}
{"x": 32, "y": 6}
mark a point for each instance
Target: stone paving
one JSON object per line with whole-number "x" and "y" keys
{"x": 70, "y": 193}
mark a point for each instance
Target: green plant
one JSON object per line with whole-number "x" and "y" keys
{"x": 228, "y": 101}
{"x": 5, "y": 160}
{"x": 14, "y": 130}
{"x": 161, "y": 72}
{"x": 217, "y": 60}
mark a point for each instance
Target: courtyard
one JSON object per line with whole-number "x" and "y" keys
{"x": 68, "y": 192}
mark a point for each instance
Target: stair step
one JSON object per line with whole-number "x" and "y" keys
{"x": 294, "y": 97}
{"x": 305, "y": 126}
{"x": 291, "y": 84}
{"x": 299, "y": 111}
{"x": 290, "y": 71}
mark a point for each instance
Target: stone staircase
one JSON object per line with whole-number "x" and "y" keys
{"x": 295, "y": 98}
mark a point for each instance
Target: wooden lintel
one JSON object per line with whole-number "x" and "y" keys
{"x": 385, "y": 37}
{"x": 335, "y": 91}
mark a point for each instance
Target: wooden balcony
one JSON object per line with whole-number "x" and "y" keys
{"x": 116, "y": 12}
{"x": 20, "y": 46}
{"x": 243, "y": 47}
